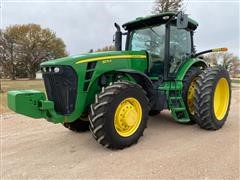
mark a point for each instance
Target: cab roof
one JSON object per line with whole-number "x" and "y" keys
{"x": 152, "y": 20}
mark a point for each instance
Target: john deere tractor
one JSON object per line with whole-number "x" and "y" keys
{"x": 114, "y": 93}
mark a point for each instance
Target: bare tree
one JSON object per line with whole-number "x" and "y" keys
{"x": 167, "y": 5}
{"x": 212, "y": 58}
{"x": 227, "y": 60}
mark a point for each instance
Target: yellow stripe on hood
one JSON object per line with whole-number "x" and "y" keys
{"x": 111, "y": 57}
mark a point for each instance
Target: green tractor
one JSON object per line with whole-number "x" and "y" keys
{"x": 113, "y": 93}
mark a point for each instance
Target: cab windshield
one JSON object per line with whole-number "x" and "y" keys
{"x": 150, "y": 39}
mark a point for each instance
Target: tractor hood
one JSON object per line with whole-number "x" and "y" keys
{"x": 98, "y": 56}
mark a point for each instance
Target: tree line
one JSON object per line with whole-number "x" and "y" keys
{"x": 105, "y": 48}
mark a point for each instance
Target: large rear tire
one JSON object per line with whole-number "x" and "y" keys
{"x": 213, "y": 96}
{"x": 188, "y": 93}
{"x": 119, "y": 115}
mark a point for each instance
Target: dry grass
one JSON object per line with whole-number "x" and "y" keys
{"x": 8, "y": 85}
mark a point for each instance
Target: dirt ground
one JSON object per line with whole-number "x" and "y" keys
{"x": 37, "y": 149}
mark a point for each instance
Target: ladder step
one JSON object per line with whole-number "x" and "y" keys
{"x": 175, "y": 98}
{"x": 179, "y": 109}
{"x": 184, "y": 120}
{"x": 176, "y": 103}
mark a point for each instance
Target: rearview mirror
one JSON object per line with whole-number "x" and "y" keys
{"x": 182, "y": 21}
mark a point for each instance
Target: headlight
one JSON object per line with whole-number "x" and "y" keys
{"x": 56, "y": 69}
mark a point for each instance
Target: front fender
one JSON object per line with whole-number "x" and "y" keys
{"x": 132, "y": 75}
{"x": 141, "y": 79}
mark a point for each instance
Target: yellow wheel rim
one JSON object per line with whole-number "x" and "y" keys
{"x": 221, "y": 98}
{"x": 128, "y": 117}
{"x": 190, "y": 96}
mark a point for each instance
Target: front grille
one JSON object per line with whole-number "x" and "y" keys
{"x": 61, "y": 87}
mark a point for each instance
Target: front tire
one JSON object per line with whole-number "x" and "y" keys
{"x": 213, "y": 96}
{"x": 119, "y": 115}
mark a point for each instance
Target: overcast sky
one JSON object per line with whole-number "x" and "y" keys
{"x": 85, "y": 25}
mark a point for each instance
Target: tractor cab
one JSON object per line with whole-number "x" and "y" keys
{"x": 167, "y": 38}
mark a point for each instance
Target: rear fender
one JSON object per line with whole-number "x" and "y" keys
{"x": 187, "y": 65}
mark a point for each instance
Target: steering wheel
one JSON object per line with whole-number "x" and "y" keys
{"x": 175, "y": 45}
{"x": 151, "y": 44}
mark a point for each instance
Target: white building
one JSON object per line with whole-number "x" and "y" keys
{"x": 38, "y": 75}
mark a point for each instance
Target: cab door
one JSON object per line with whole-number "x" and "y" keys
{"x": 180, "y": 49}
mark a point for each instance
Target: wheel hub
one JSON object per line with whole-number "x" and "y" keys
{"x": 190, "y": 96}
{"x": 221, "y": 99}
{"x": 130, "y": 117}
{"x": 127, "y": 117}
